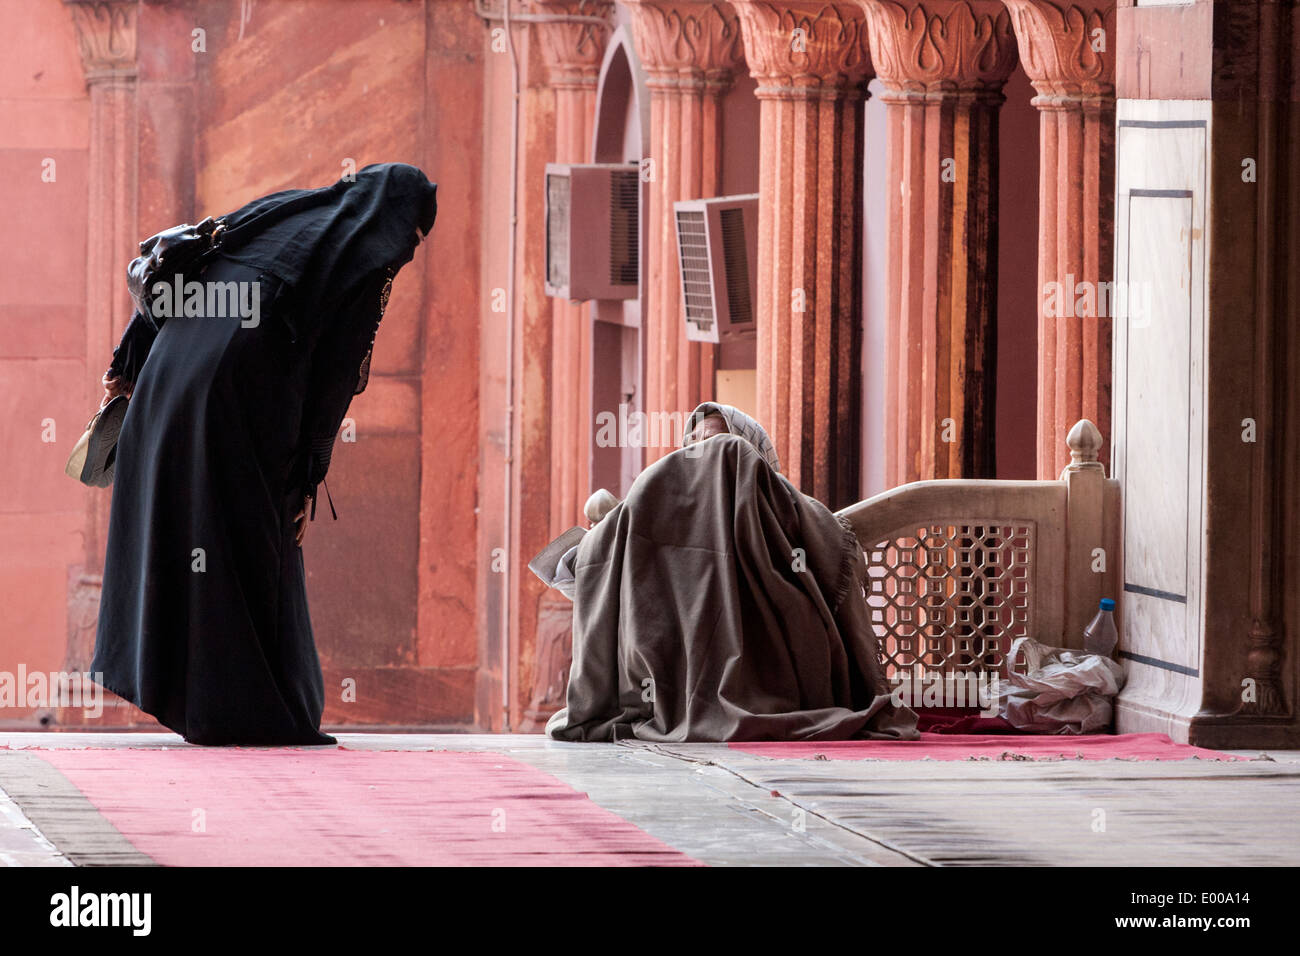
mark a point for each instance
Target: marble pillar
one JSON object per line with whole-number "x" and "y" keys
{"x": 690, "y": 51}
{"x": 106, "y": 36}
{"x": 943, "y": 64}
{"x": 572, "y": 51}
{"x": 811, "y": 64}
{"x": 1067, "y": 50}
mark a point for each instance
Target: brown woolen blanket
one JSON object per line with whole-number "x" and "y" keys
{"x": 717, "y": 602}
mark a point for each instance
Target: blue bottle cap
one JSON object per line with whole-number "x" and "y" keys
{"x": 1107, "y": 604}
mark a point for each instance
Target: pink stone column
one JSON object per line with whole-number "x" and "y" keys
{"x": 572, "y": 51}
{"x": 106, "y": 35}
{"x": 943, "y": 64}
{"x": 689, "y": 50}
{"x": 1067, "y": 49}
{"x": 811, "y": 63}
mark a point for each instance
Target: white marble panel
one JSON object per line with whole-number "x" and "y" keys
{"x": 1159, "y": 392}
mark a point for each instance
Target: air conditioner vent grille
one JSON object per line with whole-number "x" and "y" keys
{"x": 693, "y": 246}
{"x": 624, "y": 268}
{"x": 736, "y": 264}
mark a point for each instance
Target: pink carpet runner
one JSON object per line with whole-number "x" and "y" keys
{"x": 991, "y": 747}
{"x": 235, "y": 807}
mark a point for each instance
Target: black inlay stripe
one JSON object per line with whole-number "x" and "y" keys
{"x": 1162, "y": 193}
{"x": 1164, "y": 124}
{"x": 1156, "y": 593}
{"x": 1163, "y": 665}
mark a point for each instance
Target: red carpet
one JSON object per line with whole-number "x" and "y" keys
{"x": 990, "y": 746}
{"x": 351, "y": 808}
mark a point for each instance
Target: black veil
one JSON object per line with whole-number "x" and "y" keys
{"x": 322, "y": 242}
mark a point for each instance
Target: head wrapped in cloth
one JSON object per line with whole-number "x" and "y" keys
{"x": 738, "y": 423}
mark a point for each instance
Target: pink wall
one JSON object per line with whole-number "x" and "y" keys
{"x": 493, "y": 243}
{"x": 405, "y": 593}
{"x": 279, "y": 100}
{"x": 316, "y": 74}
{"x": 44, "y": 114}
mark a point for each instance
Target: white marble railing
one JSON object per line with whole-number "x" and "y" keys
{"x": 958, "y": 569}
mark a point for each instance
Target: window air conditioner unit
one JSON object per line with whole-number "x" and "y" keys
{"x": 717, "y": 249}
{"x": 593, "y": 230}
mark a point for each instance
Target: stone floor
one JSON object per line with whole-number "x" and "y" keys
{"x": 727, "y": 808}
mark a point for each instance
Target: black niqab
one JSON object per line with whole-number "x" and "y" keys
{"x": 203, "y": 617}
{"x": 326, "y": 240}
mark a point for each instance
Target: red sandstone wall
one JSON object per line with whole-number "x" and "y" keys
{"x": 405, "y": 594}
{"x": 493, "y": 240}
{"x": 43, "y": 115}
{"x": 307, "y": 86}
{"x": 279, "y": 99}
{"x": 503, "y": 574}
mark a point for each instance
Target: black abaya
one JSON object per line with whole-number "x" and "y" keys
{"x": 203, "y": 617}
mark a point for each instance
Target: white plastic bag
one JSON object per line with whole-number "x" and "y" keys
{"x": 1063, "y": 691}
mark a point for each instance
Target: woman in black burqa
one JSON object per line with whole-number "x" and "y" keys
{"x": 231, "y": 420}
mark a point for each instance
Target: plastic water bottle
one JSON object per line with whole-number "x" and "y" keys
{"x": 1100, "y": 637}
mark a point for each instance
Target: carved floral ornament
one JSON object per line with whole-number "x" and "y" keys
{"x": 1067, "y": 49}
{"x": 106, "y": 36}
{"x": 573, "y": 51}
{"x": 804, "y": 45}
{"x": 941, "y": 44}
{"x": 684, "y": 37}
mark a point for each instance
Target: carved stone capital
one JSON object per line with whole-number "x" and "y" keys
{"x": 1067, "y": 48}
{"x": 573, "y": 49}
{"x": 686, "y": 42}
{"x": 924, "y": 47}
{"x": 106, "y": 35}
{"x": 805, "y": 49}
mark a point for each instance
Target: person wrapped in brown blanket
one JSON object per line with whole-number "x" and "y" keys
{"x": 717, "y": 602}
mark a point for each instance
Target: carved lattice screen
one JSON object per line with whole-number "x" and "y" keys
{"x": 951, "y": 596}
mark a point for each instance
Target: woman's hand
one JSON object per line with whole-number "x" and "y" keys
{"x": 113, "y": 387}
{"x": 300, "y": 519}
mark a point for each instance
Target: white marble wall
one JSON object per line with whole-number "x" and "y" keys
{"x": 1159, "y": 402}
